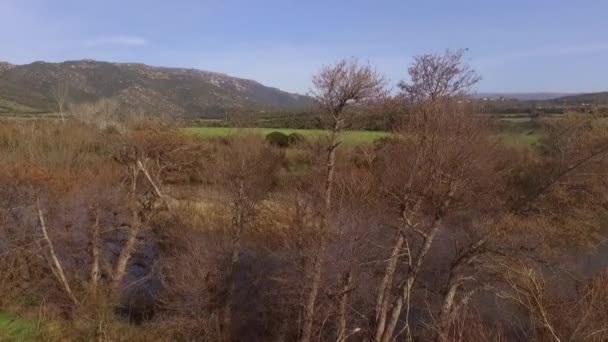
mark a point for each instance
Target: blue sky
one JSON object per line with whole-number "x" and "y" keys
{"x": 516, "y": 45}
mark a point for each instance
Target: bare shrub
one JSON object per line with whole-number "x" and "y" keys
{"x": 103, "y": 114}
{"x": 61, "y": 93}
{"x": 335, "y": 88}
{"x": 445, "y": 163}
{"x": 68, "y": 145}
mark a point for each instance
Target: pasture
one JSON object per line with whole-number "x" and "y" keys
{"x": 349, "y": 138}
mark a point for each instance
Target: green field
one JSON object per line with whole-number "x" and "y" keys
{"x": 14, "y": 329}
{"x": 516, "y": 119}
{"x": 14, "y": 108}
{"x": 350, "y": 138}
{"x": 519, "y": 139}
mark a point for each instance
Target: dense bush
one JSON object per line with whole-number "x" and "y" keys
{"x": 278, "y": 139}
{"x": 296, "y": 139}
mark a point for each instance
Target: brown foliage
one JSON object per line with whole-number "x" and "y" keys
{"x": 439, "y": 232}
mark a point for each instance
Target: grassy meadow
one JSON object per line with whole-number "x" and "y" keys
{"x": 519, "y": 139}
{"x": 350, "y": 138}
{"x": 15, "y": 329}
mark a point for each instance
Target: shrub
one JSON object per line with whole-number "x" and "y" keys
{"x": 296, "y": 139}
{"x": 278, "y": 139}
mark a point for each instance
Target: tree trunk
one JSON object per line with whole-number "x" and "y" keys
{"x": 95, "y": 252}
{"x": 233, "y": 269}
{"x": 56, "y": 263}
{"x": 406, "y": 288}
{"x": 60, "y": 106}
{"x": 135, "y": 172}
{"x": 445, "y": 314}
{"x": 447, "y": 311}
{"x": 317, "y": 264}
{"x": 238, "y": 223}
{"x": 383, "y": 298}
{"x": 127, "y": 251}
{"x": 315, "y": 283}
{"x": 343, "y": 306}
{"x": 142, "y": 168}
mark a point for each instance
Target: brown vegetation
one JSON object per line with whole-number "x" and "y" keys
{"x": 439, "y": 232}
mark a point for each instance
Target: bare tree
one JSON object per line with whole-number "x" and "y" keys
{"x": 335, "y": 88}
{"x": 443, "y": 162}
{"x": 528, "y": 289}
{"x": 61, "y": 94}
{"x": 433, "y": 76}
{"x": 247, "y": 170}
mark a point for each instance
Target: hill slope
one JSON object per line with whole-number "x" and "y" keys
{"x": 586, "y": 99}
{"x": 174, "y": 91}
{"x": 520, "y": 96}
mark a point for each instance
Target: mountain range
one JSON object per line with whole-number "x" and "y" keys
{"x": 175, "y": 91}
{"x": 29, "y": 88}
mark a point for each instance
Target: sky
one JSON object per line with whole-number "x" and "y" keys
{"x": 515, "y": 45}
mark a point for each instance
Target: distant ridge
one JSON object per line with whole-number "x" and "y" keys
{"x": 600, "y": 98}
{"x": 523, "y": 96}
{"x": 5, "y": 66}
{"x": 174, "y": 91}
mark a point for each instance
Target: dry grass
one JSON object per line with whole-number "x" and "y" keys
{"x": 69, "y": 145}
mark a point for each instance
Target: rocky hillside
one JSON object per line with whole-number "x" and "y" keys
{"x": 5, "y": 66}
{"x": 175, "y": 91}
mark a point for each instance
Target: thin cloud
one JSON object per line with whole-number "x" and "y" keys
{"x": 123, "y": 40}
{"x": 546, "y": 51}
